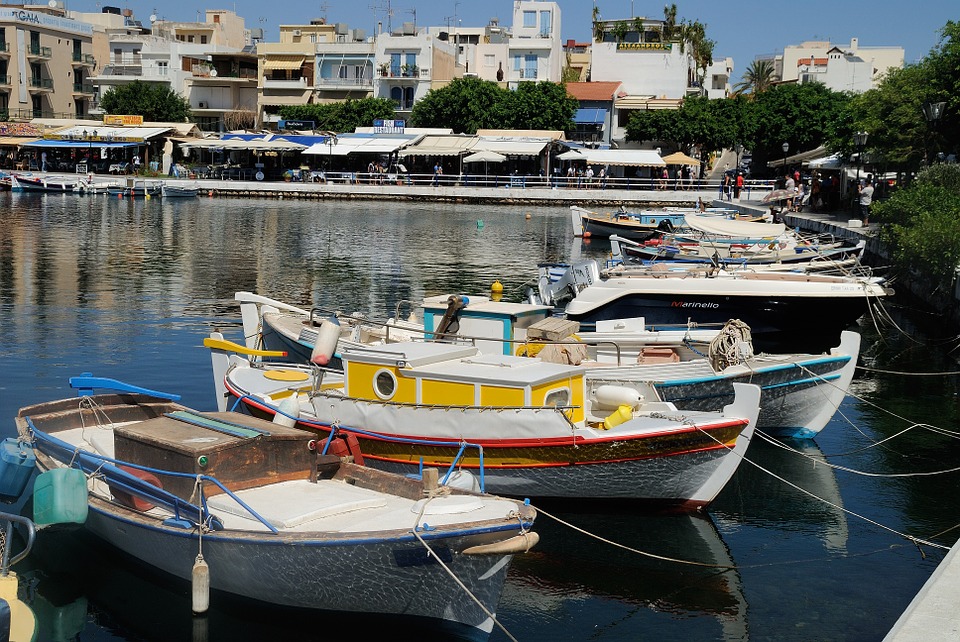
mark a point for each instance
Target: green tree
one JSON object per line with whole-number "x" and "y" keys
{"x": 694, "y": 35}
{"x": 700, "y": 122}
{"x": 757, "y": 78}
{"x": 156, "y": 103}
{"x": 804, "y": 116}
{"x": 541, "y": 105}
{"x": 670, "y": 28}
{"x": 343, "y": 116}
{"x": 465, "y": 105}
{"x": 921, "y": 224}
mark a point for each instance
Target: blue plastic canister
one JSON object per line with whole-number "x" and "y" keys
{"x": 59, "y": 497}
{"x": 16, "y": 465}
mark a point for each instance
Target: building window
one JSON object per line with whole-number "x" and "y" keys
{"x": 545, "y": 24}
{"x": 162, "y": 67}
{"x": 203, "y": 40}
{"x": 489, "y": 60}
{"x": 530, "y": 19}
{"x": 189, "y": 38}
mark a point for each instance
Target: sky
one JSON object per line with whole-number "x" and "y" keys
{"x": 742, "y": 29}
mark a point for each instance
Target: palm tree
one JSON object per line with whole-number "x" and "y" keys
{"x": 757, "y": 78}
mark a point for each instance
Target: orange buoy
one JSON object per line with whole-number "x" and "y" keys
{"x": 586, "y": 235}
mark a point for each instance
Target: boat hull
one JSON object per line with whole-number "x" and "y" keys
{"x": 298, "y": 572}
{"x": 777, "y": 323}
{"x": 686, "y": 463}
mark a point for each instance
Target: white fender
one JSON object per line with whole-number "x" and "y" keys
{"x": 326, "y": 344}
{"x": 608, "y": 396}
{"x": 289, "y": 412}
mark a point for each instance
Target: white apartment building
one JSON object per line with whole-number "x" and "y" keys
{"x": 717, "y": 79}
{"x": 839, "y": 67}
{"x": 411, "y": 62}
{"x": 653, "y": 73}
{"x": 529, "y": 50}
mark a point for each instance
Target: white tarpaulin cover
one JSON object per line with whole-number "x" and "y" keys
{"x": 637, "y": 157}
{"x": 740, "y": 229}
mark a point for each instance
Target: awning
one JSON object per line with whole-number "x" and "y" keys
{"x": 635, "y": 157}
{"x": 571, "y": 155}
{"x": 679, "y": 158}
{"x": 808, "y": 155}
{"x": 283, "y": 62}
{"x": 111, "y": 134}
{"x": 240, "y": 144}
{"x": 586, "y": 116}
{"x": 834, "y": 161}
{"x": 441, "y": 146}
{"x": 513, "y": 146}
{"x": 348, "y": 144}
{"x": 83, "y": 144}
{"x": 16, "y": 141}
{"x": 484, "y": 156}
{"x": 647, "y": 102}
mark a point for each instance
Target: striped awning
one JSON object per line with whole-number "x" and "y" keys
{"x": 283, "y": 62}
{"x": 441, "y": 145}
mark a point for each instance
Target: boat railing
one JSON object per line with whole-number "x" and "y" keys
{"x": 463, "y": 447}
{"x": 108, "y": 468}
{"x": 9, "y": 521}
{"x": 396, "y": 324}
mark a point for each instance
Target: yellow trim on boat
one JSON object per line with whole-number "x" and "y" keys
{"x": 230, "y": 346}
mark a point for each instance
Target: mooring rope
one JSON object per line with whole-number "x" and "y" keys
{"x": 463, "y": 586}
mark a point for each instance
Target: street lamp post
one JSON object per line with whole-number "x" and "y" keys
{"x": 859, "y": 141}
{"x": 739, "y": 149}
{"x": 786, "y": 148}
{"x": 932, "y": 112}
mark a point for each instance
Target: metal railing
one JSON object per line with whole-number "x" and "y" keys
{"x": 84, "y": 58}
{"x": 41, "y": 83}
{"x": 83, "y": 88}
{"x": 37, "y": 51}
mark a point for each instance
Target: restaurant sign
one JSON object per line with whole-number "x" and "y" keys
{"x": 297, "y": 124}
{"x": 644, "y": 46}
{"x": 388, "y": 126}
{"x": 122, "y": 120}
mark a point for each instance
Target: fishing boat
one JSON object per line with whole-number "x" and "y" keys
{"x": 137, "y": 189}
{"x": 799, "y": 393}
{"x": 253, "y": 509}
{"x": 29, "y": 183}
{"x": 539, "y": 430}
{"x": 179, "y": 191}
{"x": 622, "y": 223}
{"x": 275, "y": 325}
{"x": 786, "y": 311}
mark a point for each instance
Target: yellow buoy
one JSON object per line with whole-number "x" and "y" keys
{"x": 496, "y": 286}
{"x": 23, "y": 621}
{"x": 621, "y": 415}
{"x": 528, "y": 216}
{"x": 200, "y": 585}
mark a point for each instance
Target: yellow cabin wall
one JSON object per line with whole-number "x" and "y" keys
{"x": 446, "y": 393}
{"x": 539, "y": 394}
{"x": 360, "y": 378}
{"x": 502, "y": 396}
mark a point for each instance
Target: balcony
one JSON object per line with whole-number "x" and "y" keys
{"x": 36, "y": 51}
{"x": 4, "y": 81}
{"x": 344, "y": 83}
{"x": 527, "y": 74}
{"x": 4, "y": 48}
{"x": 83, "y": 60}
{"x": 405, "y": 72}
{"x": 299, "y": 84}
{"x": 83, "y": 88}
{"x": 41, "y": 84}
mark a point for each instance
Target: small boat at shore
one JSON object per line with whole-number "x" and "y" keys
{"x": 540, "y": 431}
{"x": 179, "y": 191}
{"x": 279, "y": 522}
{"x": 37, "y": 183}
{"x": 139, "y": 189}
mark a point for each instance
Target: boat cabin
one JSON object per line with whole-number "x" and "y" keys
{"x": 443, "y": 374}
{"x": 498, "y": 322}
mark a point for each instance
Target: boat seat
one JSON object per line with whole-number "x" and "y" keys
{"x": 653, "y": 354}
{"x": 292, "y": 503}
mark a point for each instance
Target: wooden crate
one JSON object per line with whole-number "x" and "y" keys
{"x": 551, "y": 329}
{"x": 167, "y": 443}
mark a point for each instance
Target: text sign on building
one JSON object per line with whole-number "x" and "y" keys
{"x": 297, "y": 124}
{"x": 389, "y": 126}
{"x": 123, "y": 120}
{"x": 45, "y": 20}
{"x": 644, "y": 46}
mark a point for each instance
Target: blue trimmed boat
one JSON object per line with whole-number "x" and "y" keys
{"x": 280, "y": 522}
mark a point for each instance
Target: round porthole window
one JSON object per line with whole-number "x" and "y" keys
{"x": 385, "y": 384}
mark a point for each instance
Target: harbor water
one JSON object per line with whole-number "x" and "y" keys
{"x": 810, "y": 541}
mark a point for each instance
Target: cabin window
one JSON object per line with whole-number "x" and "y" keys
{"x": 557, "y": 398}
{"x": 385, "y": 384}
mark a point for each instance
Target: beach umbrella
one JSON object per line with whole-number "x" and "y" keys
{"x": 485, "y": 156}
{"x": 679, "y": 158}
{"x": 778, "y": 195}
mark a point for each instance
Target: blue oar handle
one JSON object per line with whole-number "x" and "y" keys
{"x": 86, "y": 383}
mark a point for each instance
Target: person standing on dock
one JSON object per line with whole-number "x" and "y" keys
{"x": 866, "y": 199}
{"x": 437, "y": 171}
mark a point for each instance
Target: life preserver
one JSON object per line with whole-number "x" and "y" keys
{"x": 132, "y": 501}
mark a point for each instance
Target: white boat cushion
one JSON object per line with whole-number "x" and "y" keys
{"x": 289, "y": 504}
